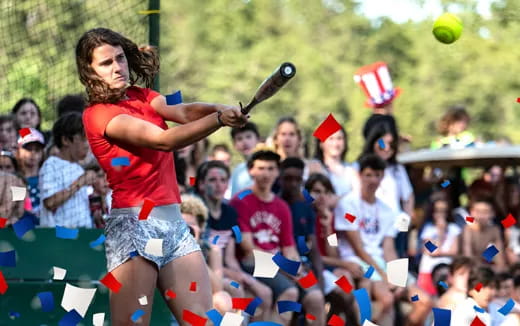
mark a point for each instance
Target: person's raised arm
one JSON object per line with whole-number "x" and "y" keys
{"x": 466, "y": 242}
{"x": 184, "y": 112}
{"x": 138, "y": 132}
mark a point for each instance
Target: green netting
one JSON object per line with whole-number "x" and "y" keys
{"x": 37, "y": 41}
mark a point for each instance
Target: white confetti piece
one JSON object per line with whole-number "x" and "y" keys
{"x": 397, "y": 272}
{"x": 98, "y": 319}
{"x": 18, "y": 193}
{"x": 333, "y": 240}
{"x": 368, "y": 323}
{"x": 77, "y": 298}
{"x": 59, "y": 273}
{"x": 264, "y": 264}
{"x": 143, "y": 301}
{"x": 154, "y": 247}
{"x": 402, "y": 222}
{"x": 231, "y": 319}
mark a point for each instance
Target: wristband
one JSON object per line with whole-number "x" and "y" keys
{"x": 219, "y": 114}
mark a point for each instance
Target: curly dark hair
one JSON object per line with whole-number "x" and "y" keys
{"x": 143, "y": 64}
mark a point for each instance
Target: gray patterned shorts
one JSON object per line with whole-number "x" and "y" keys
{"x": 127, "y": 236}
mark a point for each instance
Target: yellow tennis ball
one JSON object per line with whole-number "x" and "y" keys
{"x": 447, "y": 28}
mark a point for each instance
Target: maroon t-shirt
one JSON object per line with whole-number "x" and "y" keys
{"x": 269, "y": 222}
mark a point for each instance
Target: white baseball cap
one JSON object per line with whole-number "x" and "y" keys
{"x": 33, "y": 136}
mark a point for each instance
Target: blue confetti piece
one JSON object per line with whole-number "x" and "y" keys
{"x": 307, "y": 196}
{"x": 284, "y": 306}
{"x": 8, "y": 258}
{"x": 445, "y": 184}
{"x": 478, "y": 309}
{"x": 137, "y": 314}
{"x": 120, "y": 161}
{"x": 489, "y": 253}
{"x": 22, "y": 226}
{"x": 14, "y": 314}
{"x": 444, "y": 285}
{"x": 64, "y": 233}
{"x": 430, "y": 246}
{"x": 215, "y": 316}
{"x": 98, "y": 241}
{"x": 381, "y": 143}
{"x": 71, "y": 318}
{"x": 47, "y": 301}
{"x": 243, "y": 194}
{"x": 175, "y": 98}
{"x": 363, "y": 301}
{"x": 215, "y": 239}
{"x": 302, "y": 246}
{"x": 264, "y": 323}
{"x": 287, "y": 265}
{"x": 234, "y": 284}
{"x": 238, "y": 235}
{"x": 507, "y": 307}
{"x": 442, "y": 317}
{"x": 251, "y": 307}
{"x": 369, "y": 272}
{"x": 415, "y": 298}
{"x": 134, "y": 254}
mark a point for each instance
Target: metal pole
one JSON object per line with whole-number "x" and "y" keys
{"x": 153, "y": 32}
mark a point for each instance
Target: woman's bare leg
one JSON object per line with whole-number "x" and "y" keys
{"x": 138, "y": 277}
{"x": 177, "y": 276}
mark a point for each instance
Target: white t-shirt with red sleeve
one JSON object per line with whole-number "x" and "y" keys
{"x": 151, "y": 173}
{"x": 269, "y": 222}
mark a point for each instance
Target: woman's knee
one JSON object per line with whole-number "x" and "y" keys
{"x": 290, "y": 294}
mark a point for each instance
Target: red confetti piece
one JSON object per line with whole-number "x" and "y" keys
{"x": 326, "y": 128}
{"x": 518, "y": 99}
{"x": 193, "y": 286}
{"x": 170, "y": 294}
{"x": 3, "y": 222}
{"x": 478, "y": 287}
{"x": 350, "y": 218}
{"x": 477, "y": 322}
{"x": 147, "y": 208}
{"x": 192, "y": 181}
{"x": 241, "y": 303}
{"x": 193, "y": 319}
{"x": 24, "y": 132}
{"x": 308, "y": 280}
{"x": 344, "y": 284}
{"x": 3, "y": 284}
{"x": 470, "y": 219}
{"x": 310, "y": 317}
{"x": 110, "y": 282}
{"x": 336, "y": 320}
{"x": 509, "y": 221}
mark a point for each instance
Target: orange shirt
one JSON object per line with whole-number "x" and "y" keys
{"x": 151, "y": 173}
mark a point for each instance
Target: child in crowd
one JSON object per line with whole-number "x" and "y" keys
{"x": 8, "y": 133}
{"x": 330, "y": 159}
{"x": 245, "y": 140}
{"x": 211, "y": 183}
{"x": 220, "y": 152}
{"x": 62, "y": 181}
{"x": 30, "y": 158}
{"x": 478, "y": 236}
{"x": 443, "y": 233}
{"x": 304, "y": 220}
{"x": 477, "y": 301}
{"x": 368, "y": 240}
{"x": 266, "y": 224}
{"x": 513, "y": 317}
{"x": 504, "y": 291}
{"x": 452, "y": 127}
{"x": 458, "y": 283}
{"x": 100, "y": 199}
